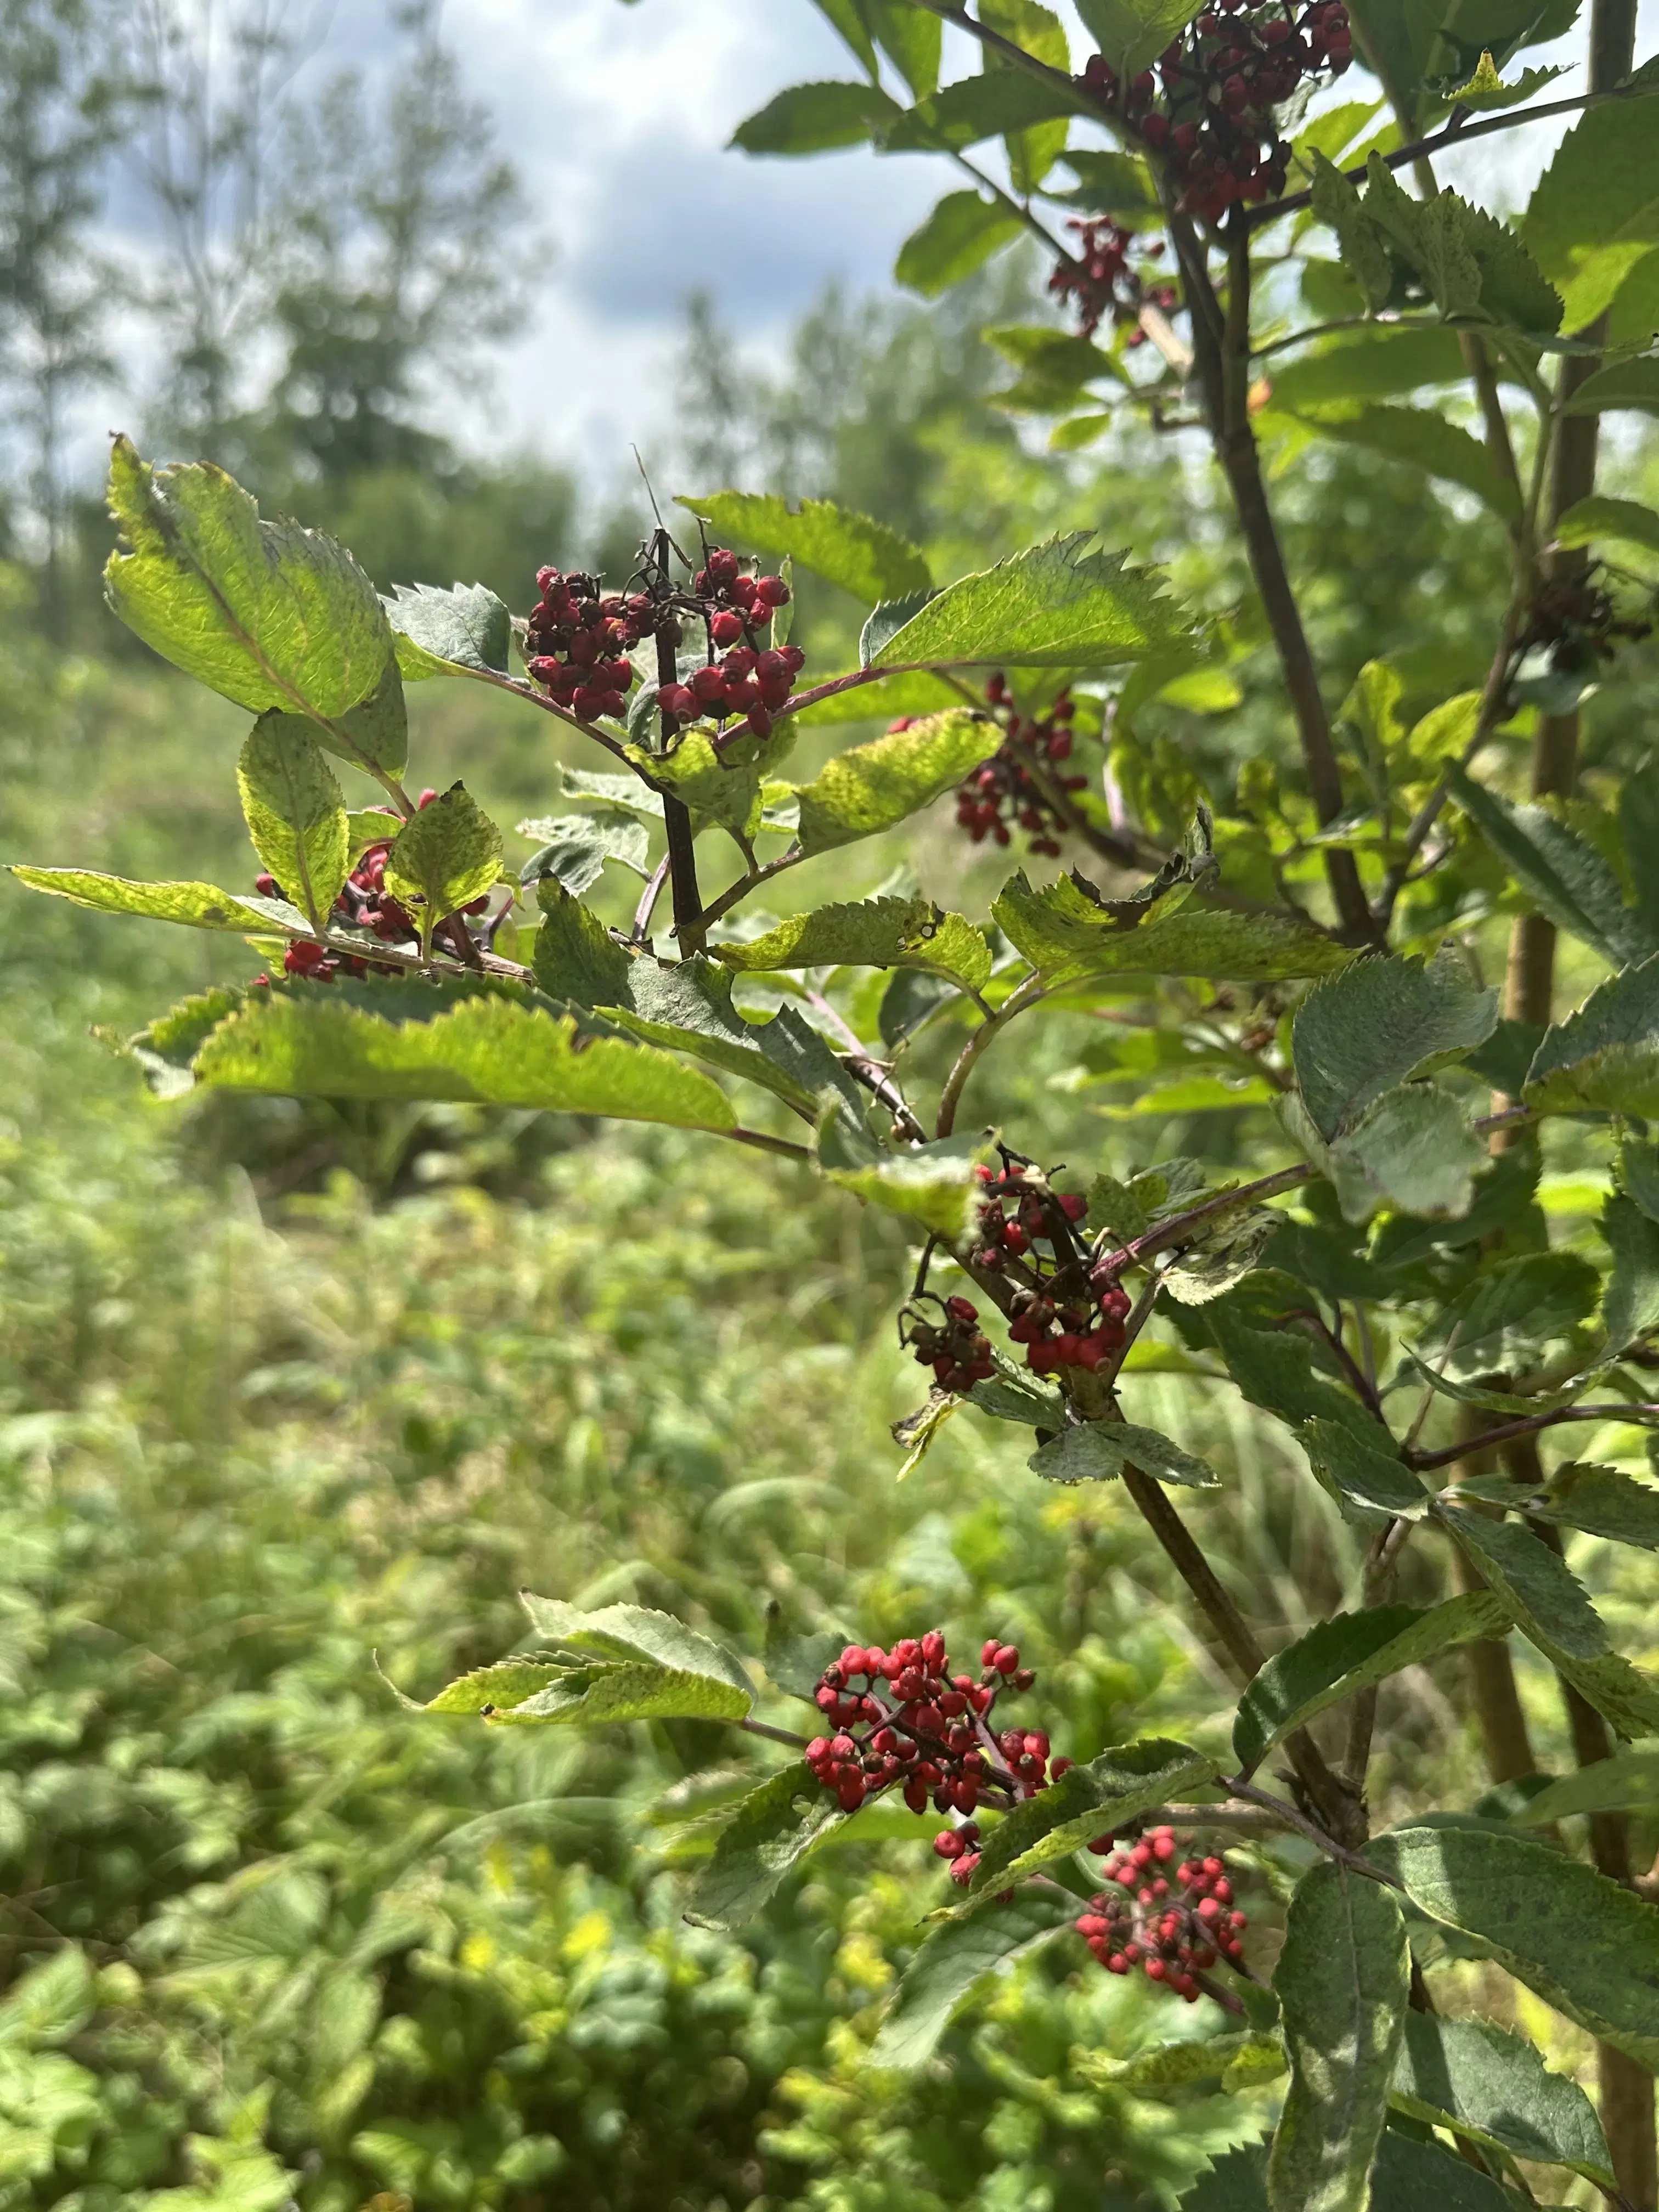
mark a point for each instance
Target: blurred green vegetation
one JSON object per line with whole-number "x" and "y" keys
{"x": 292, "y": 1397}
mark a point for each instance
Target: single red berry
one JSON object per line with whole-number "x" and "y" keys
{"x": 725, "y": 627}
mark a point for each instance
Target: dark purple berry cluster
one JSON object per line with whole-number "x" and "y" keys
{"x": 1207, "y": 110}
{"x": 1067, "y": 1309}
{"x": 1002, "y": 794}
{"x": 953, "y": 1346}
{"x": 579, "y": 639}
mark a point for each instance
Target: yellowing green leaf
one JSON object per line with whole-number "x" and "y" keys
{"x": 872, "y": 787}
{"x": 202, "y": 906}
{"x": 267, "y": 613}
{"x": 886, "y": 933}
{"x": 296, "y": 815}
{"x": 933, "y": 1184}
{"x": 488, "y": 1049}
{"x": 863, "y": 556}
{"x": 1055, "y": 606}
{"x": 446, "y": 855}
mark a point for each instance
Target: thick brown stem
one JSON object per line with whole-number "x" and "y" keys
{"x": 1221, "y": 355}
{"x": 1497, "y": 1711}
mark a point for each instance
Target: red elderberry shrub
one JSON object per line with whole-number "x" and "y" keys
{"x": 902, "y": 1716}
{"x": 1207, "y": 113}
{"x": 1171, "y": 1921}
{"x": 1002, "y": 794}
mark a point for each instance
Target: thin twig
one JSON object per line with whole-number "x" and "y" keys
{"x": 1027, "y": 996}
{"x": 752, "y": 1727}
{"x": 648, "y": 898}
{"x": 1507, "y": 1431}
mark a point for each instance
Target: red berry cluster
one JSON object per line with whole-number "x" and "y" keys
{"x": 1099, "y": 279}
{"x": 1002, "y": 792}
{"x": 579, "y": 639}
{"x": 751, "y": 678}
{"x": 926, "y": 1727}
{"x": 1209, "y": 108}
{"x": 1067, "y": 1310}
{"x": 362, "y": 904}
{"x": 1172, "y": 1924}
{"x": 954, "y": 1348}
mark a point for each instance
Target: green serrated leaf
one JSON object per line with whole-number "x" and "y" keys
{"x": 1473, "y": 266}
{"x": 912, "y": 39}
{"x": 960, "y": 235}
{"x": 587, "y": 1697}
{"x": 1422, "y": 437}
{"x": 1357, "y": 1460}
{"x": 491, "y": 1688}
{"x": 1068, "y": 939}
{"x": 1631, "y": 385}
{"x": 1583, "y": 1943}
{"x": 933, "y": 1184}
{"x": 1342, "y": 1979}
{"x": 1337, "y": 203}
{"x": 813, "y": 118}
{"x": 1349, "y": 1653}
{"x": 956, "y": 1959}
{"x": 574, "y": 847}
{"x": 1380, "y": 1022}
{"x": 488, "y": 1050}
{"x": 202, "y": 906}
{"x": 464, "y": 631}
{"x": 687, "y": 1006}
{"x": 884, "y": 933}
{"x": 1563, "y": 875}
{"x": 1493, "y": 2088}
{"x": 166, "y": 1048}
{"x": 1552, "y": 1610}
{"x": 446, "y": 855}
{"x": 1602, "y": 1501}
{"x": 1055, "y": 606}
{"x": 1627, "y": 1783}
{"x": 864, "y": 557}
{"x": 1237, "y": 2062}
{"x": 1000, "y": 103}
{"x": 1600, "y": 521}
{"x": 1604, "y": 1058}
{"x": 1502, "y": 1321}
{"x": 1629, "y": 1302}
{"x": 723, "y": 787}
{"x": 1593, "y": 214}
{"x": 872, "y": 788}
{"x": 773, "y": 1829}
{"x": 296, "y": 815}
{"x": 634, "y": 1632}
{"x": 267, "y": 613}
{"x": 1087, "y": 1801}
{"x": 1413, "y": 1150}
{"x": 1381, "y": 361}
{"x": 1098, "y": 1451}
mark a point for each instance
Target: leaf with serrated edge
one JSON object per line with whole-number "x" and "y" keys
{"x": 486, "y": 1050}
{"x": 960, "y": 235}
{"x": 1236, "y": 2061}
{"x": 1360, "y": 1465}
{"x": 506, "y": 1684}
{"x": 1493, "y": 2086}
{"x": 574, "y": 847}
{"x": 1593, "y": 214}
{"x": 1604, "y": 1057}
{"x": 1342, "y": 1979}
{"x": 1087, "y": 1801}
{"x": 1068, "y": 946}
{"x": 1560, "y": 872}
{"x": 294, "y": 813}
{"x": 1627, "y": 1783}
{"x": 864, "y": 557}
{"x": 1348, "y": 1653}
{"x": 956, "y": 1958}
{"x": 626, "y": 1633}
{"x": 1382, "y": 1020}
{"x": 587, "y": 1697}
{"x": 1097, "y": 1451}
{"x": 933, "y": 1184}
{"x": 1552, "y": 1610}
{"x": 464, "y": 631}
{"x": 886, "y": 933}
{"x": 771, "y": 1831}
{"x": 446, "y": 854}
{"x": 1056, "y": 605}
{"x": 1602, "y": 1501}
{"x": 814, "y": 118}
{"x": 267, "y": 613}
{"x": 872, "y": 788}
{"x": 1510, "y": 1312}
{"x": 202, "y": 906}
{"x": 1582, "y": 1943}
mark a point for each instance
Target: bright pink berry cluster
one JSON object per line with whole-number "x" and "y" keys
{"x": 954, "y": 1347}
{"x": 1067, "y": 1310}
{"x": 1002, "y": 791}
{"x": 1209, "y": 108}
{"x": 916, "y": 1723}
{"x": 362, "y": 904}
{"x": 579, "y": 638}
{"x": 1173, "y": 1923}
{"x": 1098, "y": 279}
